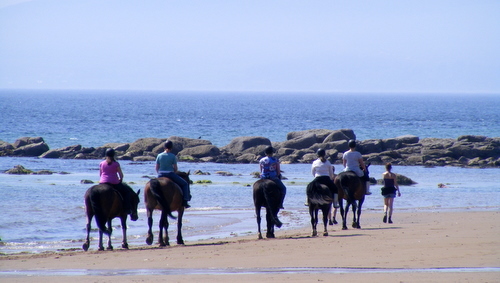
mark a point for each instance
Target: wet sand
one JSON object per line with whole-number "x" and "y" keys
{"x": 417, "y": 247}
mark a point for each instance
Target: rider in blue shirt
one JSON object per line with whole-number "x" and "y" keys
{"x": 270, "y": 169}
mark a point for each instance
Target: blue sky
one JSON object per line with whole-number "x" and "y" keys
{"x": 227, "y": 45}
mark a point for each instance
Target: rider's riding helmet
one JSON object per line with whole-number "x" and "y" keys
{"x": 269, "y": 150}
{"x": 352, "y": 144}
{"x": 321, "y": 152}
{"x": 110, "y": 152}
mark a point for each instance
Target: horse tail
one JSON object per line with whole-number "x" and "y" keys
{"x": 272, "y": 196}
{"x": 318, "y": 194}
{"x": 155, "y": 186}
{"x": 100, "y": 219}
{"x": 346, "y": 188}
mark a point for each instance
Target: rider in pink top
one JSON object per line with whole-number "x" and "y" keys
{"x": 110, "y": 172}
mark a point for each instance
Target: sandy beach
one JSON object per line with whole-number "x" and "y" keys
{"x": 418, "y": 247}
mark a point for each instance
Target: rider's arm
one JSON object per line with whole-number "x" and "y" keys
{"x": 362, "y": 164}
{"x": 175, "y": 167}
{"x": 120, "y": 173}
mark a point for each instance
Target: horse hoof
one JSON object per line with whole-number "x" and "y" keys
{"x": 330, "y": 222}
{"x": 125, "y": 246}
{"x": 260, "y": 237}
{"x": 270, "y": 236}
{"x": 325, "y": 234}
{"x": 314, "y": 234}
{"x": 85, "y": 247}
{"x": 344, "y": 228}
{"x": 180, "y": 243}
{"x": 100, "y": 249}
{"x": 110, "y": 248}
{"x": 149, "y": 240}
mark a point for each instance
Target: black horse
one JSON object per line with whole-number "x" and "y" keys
{"x": 266, "y": 193}
{"x": 319, "y": 197}
{"x": 105, "y": 203}
{"x": 352, "y": 189}
{"x": 165, "y": 195}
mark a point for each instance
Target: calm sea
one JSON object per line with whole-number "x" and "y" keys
{"x": 93, "y": 118}
{"x": 45, "y": 212}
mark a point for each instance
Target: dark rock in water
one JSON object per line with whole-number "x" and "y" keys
{"x": 43, "y": 172}
{"x": 201, "y": 151}
{"x": 86, "y": 182}
{"x": 240, "y": 144}
{"x": 31, "y": 150}
{"x": 19, "y": 170}
{"x": 401, "y": 179}
{"x": 199, "y": 172}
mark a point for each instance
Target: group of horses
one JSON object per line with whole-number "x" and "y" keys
{"x": 105, "y": 203}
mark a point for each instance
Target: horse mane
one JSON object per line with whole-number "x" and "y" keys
{"x": 155, "y": 186}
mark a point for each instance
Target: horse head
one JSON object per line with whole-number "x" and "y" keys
{"x": 134, "y": 199}
{"x": 185, "y": 176}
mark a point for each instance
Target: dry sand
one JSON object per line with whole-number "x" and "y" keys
{"x": 418, "y": 247}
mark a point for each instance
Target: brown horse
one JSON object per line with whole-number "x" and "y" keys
{"x": 319, "y": 197}
{"x": 266, "y": 193}
{"x": 165, "y": 195}
{"x": 351, "y": 188}
{"x": 105, "y": 203}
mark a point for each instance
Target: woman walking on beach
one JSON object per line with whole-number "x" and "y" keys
{"x": 389, "y": 192}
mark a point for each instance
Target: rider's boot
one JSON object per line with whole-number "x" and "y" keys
{"x": 185, "y": 204}
{"x": 368, "y": 188}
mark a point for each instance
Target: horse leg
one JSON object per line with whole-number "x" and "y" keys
{"x": 360, "y": 204}
{"x": 344, "y": 215}
{"x": 100, "y": 245}
{"x": 270, "y": 224}
{"x": 354, "y": 217}
{"x": 163, "y": 220}
{"x": 180, "y": 241}
{"x": 124, "y": 232}
{"x": 341, "y": 206}
{"x": 314, "y": 221}
{"x": 149, "y": 239}
{"x": 110, "y": 229}
{"x": 86, "y": 244}
{"x": 325, "y": 219}
{"x": 259, "y": 219}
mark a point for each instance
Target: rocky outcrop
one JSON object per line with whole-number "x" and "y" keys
{"x": 300, "y": 147}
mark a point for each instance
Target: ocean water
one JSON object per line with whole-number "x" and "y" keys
{"x": 93, "y": 118}
{"x": 46, "y": 212}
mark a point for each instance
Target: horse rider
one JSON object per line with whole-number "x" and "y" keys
{"x": 322, "y": 170}
{"x": 353, "y": 161}
{"x": 111, "y": 173}
{"x": 166, "y": 166}
{"x": 270, "y": 169}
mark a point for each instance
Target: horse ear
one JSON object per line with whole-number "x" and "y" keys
{"x": 139, "y": 191}
{"x": 189, "y": 172}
